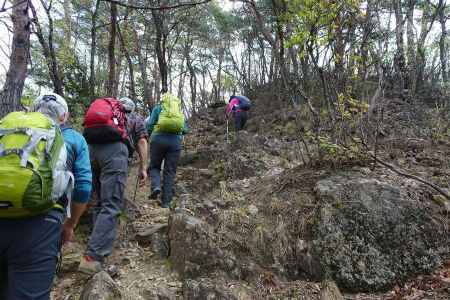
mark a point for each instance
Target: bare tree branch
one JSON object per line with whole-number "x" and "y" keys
{"x": 156, "y": 8}
{"x": 3, "y": 8}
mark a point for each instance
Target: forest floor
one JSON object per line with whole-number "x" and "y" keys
{"x": 219, "y": 182}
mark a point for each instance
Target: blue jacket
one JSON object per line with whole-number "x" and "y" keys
{"x": 160, "y": 135}
{"x": 78, "y": 163}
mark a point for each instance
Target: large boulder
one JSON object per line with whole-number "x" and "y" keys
{"x": 368, "y": 234}
{"x": 191, "y": 249}
{"x": 194, "y": 251}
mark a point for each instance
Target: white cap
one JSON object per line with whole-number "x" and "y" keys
{"x": 128, "y": 104}
{"x": 51, "y": 104}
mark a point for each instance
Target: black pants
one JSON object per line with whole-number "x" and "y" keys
{"x": 28, "y": 255}
{"x": 167, "y": 149}
{"x": 240, "y": 119}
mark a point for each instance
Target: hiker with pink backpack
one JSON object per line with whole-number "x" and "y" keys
{"x": 238, "y": 107}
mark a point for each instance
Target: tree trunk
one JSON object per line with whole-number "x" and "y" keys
{"x": 339, "y": 54}
{"x": 157, "y": 84}
{"x": 428, "y": 19}
{"x": 48, "y": 49}
{"x": 112, "y": 83}
{"x": 93, "y": 50}
{"x": 399, "y": 59}
{"x": 411, "y": 47}
{"x": 192, "y": 76}
{"x": 280, "y": 9}
{"x": 17, "y": 72}
{"x": 442, "y": 39}
{"x": 160, "y": 44}
{"x": 180, "y": 92}
{"x": 367, "y": 30}
{"x": 67, "y": 25}
{"x": 132, "y": 86}
{"x": 143, "y": 67}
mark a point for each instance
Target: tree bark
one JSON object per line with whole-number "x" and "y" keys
{"x": 17, "y": 72}
{"x": 67, "y": 24}
{"x": 112, "y": 83}
{"x": 192, "y": 76}
{"x": 143, "y": 66}
{"x": 219, "y": 73}
{"x": 428, "y": 19}
{"x": 399, "y": 59}
{"x": 48, "y": 49}
{"x": 160, "y": 44}
{"x": 93, "y": 49}
{"x": 442, "y": 47}
{"x": 411, "y": 47}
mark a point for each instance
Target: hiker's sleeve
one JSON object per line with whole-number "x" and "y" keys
{"x": 82, "y": 172}
{"x": 228, "y": 110}
{"x": 140, "y": 130}
{"x": 153, "y": 119}
{"x": 186, "y": 128}
{"x": 231, "y": 106}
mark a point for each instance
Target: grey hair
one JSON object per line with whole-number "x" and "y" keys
{"x": 128, "y": 104}
{"x": 51, "y": 105}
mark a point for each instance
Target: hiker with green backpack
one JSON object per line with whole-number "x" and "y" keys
{"x": 40, "y": 158}
{"x": 166, "y": 126}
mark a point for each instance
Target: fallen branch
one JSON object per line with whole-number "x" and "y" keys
{"x": 407, "y": 175}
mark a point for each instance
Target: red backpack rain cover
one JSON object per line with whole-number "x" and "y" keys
{"x": 105, "y": 122}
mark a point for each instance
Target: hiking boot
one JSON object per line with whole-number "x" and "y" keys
{"x": 112, "y": 270}
{"x": 164, "y": 205}
{"x": 154, "y": 194}
{"x": 89, "y": 266}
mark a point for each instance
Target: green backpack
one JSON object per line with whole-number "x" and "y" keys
{"x": 33, "y": 172}
{"x": 171, "y": 118}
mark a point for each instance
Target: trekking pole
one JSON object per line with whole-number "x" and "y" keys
{"x": 228, "y": 140}
{"x": 135, "y": 189}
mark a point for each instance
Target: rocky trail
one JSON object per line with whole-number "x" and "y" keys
{"x": 253, "y": 222}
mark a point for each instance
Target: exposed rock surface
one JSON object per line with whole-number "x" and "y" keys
{"x": 101, "y": 287}
{"x": 330, "y": 291}
{"x": 369, "y": 235}
{"x": 203, "y": 288}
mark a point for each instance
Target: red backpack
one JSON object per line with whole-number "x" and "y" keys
{"x": 105, "y": 122}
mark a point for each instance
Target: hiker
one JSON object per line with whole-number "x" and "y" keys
{"x": 166, "y": 126}
{"x": 31, "y": 239}
{"x": 237, "y": 108}
{"x": 105, "y": 129}
{"x": 137, "y": 137}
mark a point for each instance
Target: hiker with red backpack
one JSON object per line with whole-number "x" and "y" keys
{"x": 38, "y": 163}
{"x": 238, "y": 107}
{"x": 105, "y": 129}
{"x": 166, "y": 126}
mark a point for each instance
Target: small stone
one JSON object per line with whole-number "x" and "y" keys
{"x": 159, "y": 293}
{"x": 150, "y": 230}
{"x": 126, "y": 261}
{"x": 252, "y": 210}
{"x": 209, "y": 205}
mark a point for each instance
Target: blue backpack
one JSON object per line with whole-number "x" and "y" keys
{"x": 244, "y": 102}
